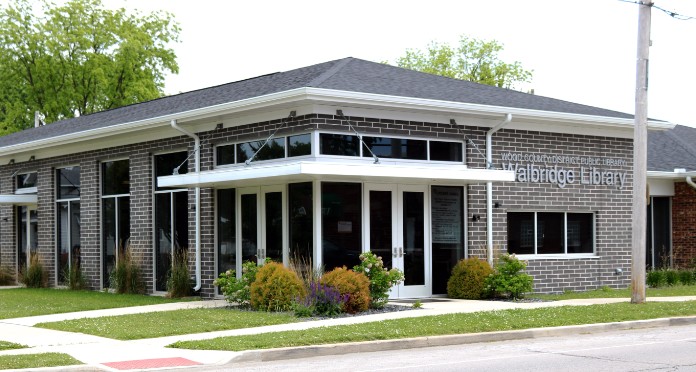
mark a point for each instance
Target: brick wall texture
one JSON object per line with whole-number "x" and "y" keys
{"x": 610, "y": 205}
{"x": 684, "y": 225}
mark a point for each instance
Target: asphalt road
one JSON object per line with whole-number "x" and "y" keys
{"x": 656, "y": 349}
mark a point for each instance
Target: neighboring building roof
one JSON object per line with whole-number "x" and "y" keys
{"x": 348, "y": 74}
{"x": 671, "y": 149}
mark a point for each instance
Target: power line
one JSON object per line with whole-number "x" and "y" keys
{"x": 670, "y": 13}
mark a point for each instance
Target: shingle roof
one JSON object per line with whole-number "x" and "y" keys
{"x": 348, "y": 74}
{"x": 675, "y": 148}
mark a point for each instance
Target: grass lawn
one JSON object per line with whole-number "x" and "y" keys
{"x": 169, "y": 323}
{"x": 4, "y": 345}
{"x": 448, "y": 324}
{"x": 21, "y": 302}
{"x": 678, "y": 290}
{"x": 37, "y": 361}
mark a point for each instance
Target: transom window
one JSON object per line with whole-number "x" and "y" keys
{"x": 542, "y": 233}
{"x": 26, "y": 183}
{"x": 276, "y": 148}
{"x": 390, "y": 147}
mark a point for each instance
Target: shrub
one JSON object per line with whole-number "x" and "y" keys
{"x": 74, "y": 277}
{"x": 6, "y": 277}
{"x": 381, "y": 279}
{"x": 508, "y": 279}
{"x": 305, "y": 270}
{"x": 127, "y": 277}
{"x": 671, "y": 277}
{"x": 655, "y": 278}
{"x": 355, "y": 285}
{"x": 686, "y": 277}
{"x": 238, "y": 291}
{"x": 321, "y": 300}
{"x": 179, "y": 281}
{"x": 275, "y": 288}
{"x": 468, "y": 279}
{"x": 35, "y": 276}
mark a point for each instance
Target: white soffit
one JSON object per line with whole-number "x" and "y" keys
{"x": 24, "y": 199}
{"x": 358, "y": 171}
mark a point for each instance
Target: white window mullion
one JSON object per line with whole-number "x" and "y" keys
{"x": 536, "y": 233}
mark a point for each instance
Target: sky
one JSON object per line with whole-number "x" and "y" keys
{"x": 579, "y": 51}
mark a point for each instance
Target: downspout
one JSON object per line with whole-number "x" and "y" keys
{"x": 690, "y": 182}
{"x": 489, "y": 185}
{"x": 196, "y": 149}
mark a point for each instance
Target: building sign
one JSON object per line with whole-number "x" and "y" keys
{"x": 563, "y": 170}
{"x": 446, "y": 215}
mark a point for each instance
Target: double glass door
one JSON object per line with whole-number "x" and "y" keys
{"x": 262, "y": 226}
{"x": 396, "y": 226}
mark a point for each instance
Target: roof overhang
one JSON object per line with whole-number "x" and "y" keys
{"x": 22, "y": 199}
{"x": 670, "y": 175}
{"x": 298, "y": 171}
{"x": 302, "y": 96}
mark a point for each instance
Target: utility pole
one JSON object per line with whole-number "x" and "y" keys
{"x": 640, "y": 157}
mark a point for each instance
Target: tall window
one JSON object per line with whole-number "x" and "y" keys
{"x": 300, "y": 209}
{"x": 171, "y": 217}
{"x": 115, "y": 214}
{"x": 341, "y": 224}
{"x": 544, "y": 233}
{"x": 68, "y": 221}
{"x": 226, "y": 231}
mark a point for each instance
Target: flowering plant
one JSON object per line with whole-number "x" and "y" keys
{"x": 381, "y": 279}
{"x": 322, "y": 300}
{"x": 237, "y": 290}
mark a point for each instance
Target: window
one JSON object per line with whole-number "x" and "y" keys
{"x": 445, "y": 151}
{"x": 274, "y": 149}
{"x": 68, "y": 221}
{"x": 339, "y": 144}
{"x": 300, "y": 221}
{"x": 300, "y": 145}
{"x": 115, "y": 214}
{"x": 171, "y": 217}
{"x": 550, "y": 233}
{"x": 397, "y": 148}
{"x": 341, "y": 224}
{"x": 227, "y": 230}
{"x": 26, "y": 183}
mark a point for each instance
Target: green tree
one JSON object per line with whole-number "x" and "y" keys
{"x": 473, "y": 60}
{"x": 79, "y": 58}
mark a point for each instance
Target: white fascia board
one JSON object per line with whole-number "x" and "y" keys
{"x": 670, "y": 175}
{"x": 22, "y": 199}
{"x": 317, "y": 169}
{"x": 471, "y": 108}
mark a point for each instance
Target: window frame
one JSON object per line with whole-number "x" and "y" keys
{"x": 564, "y": 255}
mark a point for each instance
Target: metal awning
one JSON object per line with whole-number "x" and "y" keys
{"x": 19, "y": 199}
{"x": 299, "y": 171}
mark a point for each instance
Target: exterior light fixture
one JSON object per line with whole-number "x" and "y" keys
{"x": 476, "y": 217}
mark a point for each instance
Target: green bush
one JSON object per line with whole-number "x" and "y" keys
{"x": 74, "y": 277}
{"x": 275, "y": 288}
{"x": 655, "y": 278}
{"x": 468, "y": 279}
{"x": 238, "y": 290}
{"x": 671, "y": 277}
{"x": 35, "y": 276}
{"x": 348, "y": 282}
{"x": 508, "y": 280}
{"x": 6, "y": 277}
{"x": 127, "y": 276}
{"x": 179, "y": 283}
{"x": 686, "y": 277}
{"x": 381, "y": 279}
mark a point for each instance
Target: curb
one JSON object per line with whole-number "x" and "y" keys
{"x": 448, "y": 340}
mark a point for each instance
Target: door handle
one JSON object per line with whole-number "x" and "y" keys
{"x": 395, "y": 252}
{"x": 401, "y": 251}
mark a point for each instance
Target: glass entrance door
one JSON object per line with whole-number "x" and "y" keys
{"x": 396, "y": 223}
{"x": 262, "y": 227}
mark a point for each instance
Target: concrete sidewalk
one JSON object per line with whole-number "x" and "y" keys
{"x": 97, "y": 352}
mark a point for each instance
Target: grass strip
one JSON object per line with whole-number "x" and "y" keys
{"x": 4, "y": 345}
{"x": 37, "y": 360}
{"x": 677, "y": 290}
{"x": 170, "y": 323}
{"x": 22, "y": 302}
{"x": 448, "y": 324}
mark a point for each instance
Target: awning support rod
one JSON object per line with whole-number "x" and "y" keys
{"x": 340, "y": 113}
{"x": 283, "y": 124}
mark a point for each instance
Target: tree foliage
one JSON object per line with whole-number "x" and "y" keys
{"x": 79, "y": 58}
{"x": 473, "y": 60}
